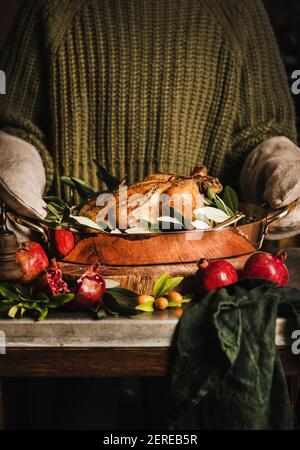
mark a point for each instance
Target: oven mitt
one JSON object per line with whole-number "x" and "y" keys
{"x": 271, "y": 174}
{"x": 22, "y": 177}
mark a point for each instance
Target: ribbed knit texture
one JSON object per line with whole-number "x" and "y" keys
{"x": 144, "y": 85}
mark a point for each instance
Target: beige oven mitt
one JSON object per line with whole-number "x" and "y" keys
{"x": 271, "y": 174}
{"x": 22, "y": 179}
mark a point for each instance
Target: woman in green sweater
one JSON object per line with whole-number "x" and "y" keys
{"x": 145, "y": 86}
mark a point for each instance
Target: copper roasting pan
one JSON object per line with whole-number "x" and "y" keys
{"x": 166, "y": 248}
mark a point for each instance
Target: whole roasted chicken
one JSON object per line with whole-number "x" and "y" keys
{"x": 147, "y": 200}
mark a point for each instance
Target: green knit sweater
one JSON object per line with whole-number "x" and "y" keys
{"x": 143, "y": 85}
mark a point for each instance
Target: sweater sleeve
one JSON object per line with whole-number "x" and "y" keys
{"x": 23, "y": 109}
{"x": 265, "y": 107}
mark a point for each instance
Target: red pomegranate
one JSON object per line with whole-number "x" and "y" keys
{"x": 88, "y": 289}
{"x": 213, "y": 275}
{"x": 32, "y": 259}
{"x": 64, "y": 242}
{"x": 51, "y": 280}
{"x": 268, "y": 267}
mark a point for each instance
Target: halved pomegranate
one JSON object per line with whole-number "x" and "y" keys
{"x": 88, "y": 289}
{"x": 51, "y": 280}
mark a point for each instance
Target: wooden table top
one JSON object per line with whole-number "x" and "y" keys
{"x": 148, "y": 330}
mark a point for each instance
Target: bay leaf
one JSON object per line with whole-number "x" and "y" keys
{"x": 160, "y": 284}
{"x": 213, "y": 214}
{"x": 86, "y": 222}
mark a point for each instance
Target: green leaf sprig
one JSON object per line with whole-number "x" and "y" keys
{"x": 65, "y": 215}
{"x": 231, "y": 199}
{"x": 111, "y": 181}
{"x": 116, "y": 301}
{"x": 17, "y": 301}
{"x": 83, "y": 189}
{"x": 163, "y": 287}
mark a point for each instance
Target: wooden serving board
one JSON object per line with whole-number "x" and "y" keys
{"x": 141, "y": 278}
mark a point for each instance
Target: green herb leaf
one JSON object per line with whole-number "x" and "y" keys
{"x": 148, "y": 226}
{"x": 54, "y": 211}
{"x": 57, "y": 200}
{"x": 174, "y": 304}
{"x": 231, "y": 199}
{"x": 174, "y": 213}
{"x": 211, "y": 195}
{"x": 111, "y": 181}
{"x": 43, "y": 297}
{"x": 160, "y": 284}
{"x": 8, "y": 291}
{"x": 228, "y": 205}
{"x": 43, "y": 310}
{"x": 59, "y": 209}
{"x": 30, "y": 305}
{"x": 86, "y": 222}
{"x": 7, "y": 301}
{"x": 20, "y": 292}
{"x": 120, "y": 301}
{"x": 68, "y": 182}
{"x": 59, "y": 300}
{"x": 85, "y": 190}
{"x": 222, "y": 207}
{"x": 4, "y": 307}
{"x": 24, "y": 300}
{"x": 146, "y": 307}
{"x": 51, "y": 220}
{"x": 187, "y": 299}
{"x": 101, "y": 313}
{"x": 13, "y": 311}
{"x": 212, "y": 214}
{"x": 171, "y": 284}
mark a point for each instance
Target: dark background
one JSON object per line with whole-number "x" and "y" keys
{"x": 140, "y": 403}
{"x": 285, "y": 17}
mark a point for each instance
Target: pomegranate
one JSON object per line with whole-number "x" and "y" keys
{"x": 51, "y": 280}
{"x": 213, "y": 275}
{"x": 268, "y": 267}
{"x": 32, "y": 259}
{"x": 88, "y": 289}
{"x": 64, "y": 242}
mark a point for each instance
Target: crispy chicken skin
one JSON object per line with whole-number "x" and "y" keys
{"x": 157, "y": 190}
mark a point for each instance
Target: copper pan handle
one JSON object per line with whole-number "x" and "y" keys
{"x": 280, "y": 214}
{"x": 25, "y": 222}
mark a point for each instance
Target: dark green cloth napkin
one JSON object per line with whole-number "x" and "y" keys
{"x": 226, "y": 373}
